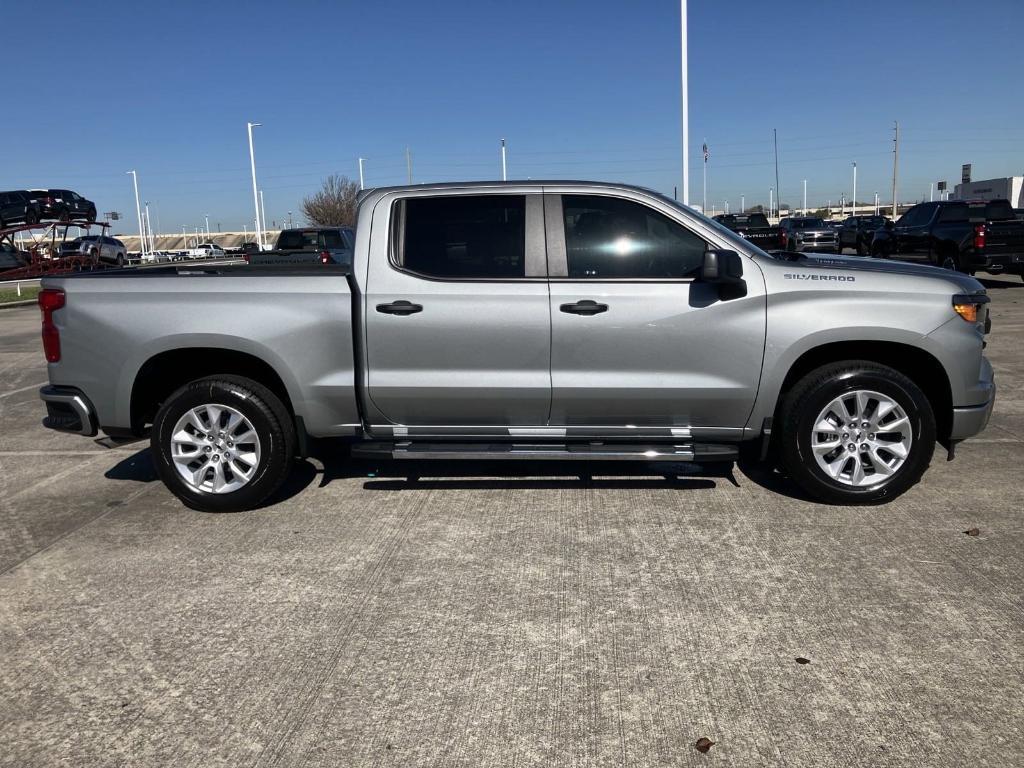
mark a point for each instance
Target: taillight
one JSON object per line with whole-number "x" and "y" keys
{"x": 325, "y": 257}
{"x": 247, "y": 257}
{"x": 782, "y": 238}
{"x": 50, "y": 300}
{"x": 979, "y": 237}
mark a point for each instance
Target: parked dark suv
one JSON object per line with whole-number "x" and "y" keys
{"x": 17, "y": 207}
{"x": 63, "y": 205}
{"x": 858, "y": 232}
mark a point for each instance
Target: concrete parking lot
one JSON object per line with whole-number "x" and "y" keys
{"x": 489, "y": 615}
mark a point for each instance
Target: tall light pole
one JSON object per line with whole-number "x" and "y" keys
{"x": 207, "y": 217}
{"x": 704, "y": 199}
{"x": 138, "y": 211}
{"x": 184, "y": 238}
{"x": 255, "y": 193}
{"x": 408, "y": 163}
{"x": 361, "y": 185}
{"x": 263, "y": 220}
{"x": 504, "y": 166}
{"x": 743, "y": 203}
{"x": 685, "y": 94}
{"x": 149, "y": 230}
{"x": 853, "y": 211}
{"x": 931, "y": 191}
{"x": 805, "y": 197}
{"x": 289, "y": 219}
{"x": 771, "y": 200}
{"x": 895, "y": 165}
{"x": 876, "y": 203}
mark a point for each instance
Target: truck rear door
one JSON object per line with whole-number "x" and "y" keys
{"x": 458, "y": 330}
{"x": 636, "y": 341}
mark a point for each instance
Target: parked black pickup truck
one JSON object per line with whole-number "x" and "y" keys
{"x": 858, "y": 232}
{"x": 309, "y": 245}
{"x": 968, "y": 236}
{"x": 755, "y": 228}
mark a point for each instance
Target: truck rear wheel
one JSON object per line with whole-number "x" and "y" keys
{"x": 223, "y": 443}
{"x": 856, "y": 432}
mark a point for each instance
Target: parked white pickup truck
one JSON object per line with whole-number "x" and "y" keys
{"x": 206, "y": 251}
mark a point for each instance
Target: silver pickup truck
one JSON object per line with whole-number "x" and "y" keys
{"x": 542, "y": 320}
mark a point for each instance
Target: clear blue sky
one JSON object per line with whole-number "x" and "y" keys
{"x": 580, "y": 89}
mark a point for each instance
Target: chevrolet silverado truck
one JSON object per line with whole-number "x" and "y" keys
{"x": 755, "y": 228}
{"x": 968, "y": 236}
{"x": 541, "y": 320}
{"x": 307, "y": 245}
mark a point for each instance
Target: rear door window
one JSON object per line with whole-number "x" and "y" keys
{"x": 333, "y": 239}
{"x": 462, "y": 236}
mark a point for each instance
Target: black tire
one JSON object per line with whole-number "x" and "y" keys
{"x": 950, "y": 259}
{"x": 804, "y": 402}
{"x": 269, "y": 418}
{"x": 120, "y": 259}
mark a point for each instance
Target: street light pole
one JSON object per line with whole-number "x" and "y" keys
{"x": 138, "y": 212}
{"x": 685, "y": 94}
{"x": 876, "y": 203}
{"x": 361, "y": 185}
{"x": 263, "y": 220}
{"x": 805, "y": 197}
{"x": 207, "y": 217}
{"x": 895, "y": 165}
{"x": 504, "y": 166}
{"x": 771, "y": 200}
{"x": 853, "y": 211}
{"x": 255, "y": 194}
{"x": 408, "y": 163}
{"x": 289, "y": 219}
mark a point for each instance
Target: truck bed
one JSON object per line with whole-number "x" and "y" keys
{"x": 114, "y": 323}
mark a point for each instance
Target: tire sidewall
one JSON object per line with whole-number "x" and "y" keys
{"x": 910, "y": 399}
{"x": 273, "y": 449}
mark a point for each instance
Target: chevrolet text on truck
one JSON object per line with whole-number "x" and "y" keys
{"x": 541, "y": 320}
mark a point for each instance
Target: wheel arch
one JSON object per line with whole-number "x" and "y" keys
{"x": 915, "y": 363}
{"x": 166, "y": 371}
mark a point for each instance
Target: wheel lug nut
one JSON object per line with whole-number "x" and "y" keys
{"x": 871, "y": 436}
{"x": 864, "y": 425}
{"x": 846, "y": 435}
{"x": 216, "y": 457}
{"x": 851, "y": 447}
{"x": 863, "y": 446}
{"x": 207, "y": 449}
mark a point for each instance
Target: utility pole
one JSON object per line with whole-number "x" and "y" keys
{"x": 504, "y": 167}
{"x": 138, "y": 212}
{"x": 853, "y": 211}
{"x": 685, "y": 85}
{"x": 771, "y": 200}
{"x": 876, "y": 203}
{"x": 895, "y": 165}
{"x": 255, "y": 193}
{"x": 743, "y": 204}
{"x": 931, "y": 191}
{"x": 775, "y": 136}
{"x": 408, "y": 163}
{"x": 805, "y": 197}
{"x": 207, "y": 217}
{"x": 361, "y": 185}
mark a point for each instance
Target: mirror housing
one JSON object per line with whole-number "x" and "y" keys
{"x": 722, "y": 267}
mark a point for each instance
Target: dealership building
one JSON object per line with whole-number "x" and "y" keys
{"x": 1009, "y": 188}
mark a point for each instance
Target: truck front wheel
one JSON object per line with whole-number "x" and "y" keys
{"x": 223, "y": 443}
{"x": 856, "y": 432}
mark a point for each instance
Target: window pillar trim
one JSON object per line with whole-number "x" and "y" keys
{"x": 554, "y": 230}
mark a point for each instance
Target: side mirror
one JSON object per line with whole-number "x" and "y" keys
{"x": 722, "y": 267}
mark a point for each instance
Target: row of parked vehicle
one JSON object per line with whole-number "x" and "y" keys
{"x": 964, "y": 235}
{"x": 33, "y": 206}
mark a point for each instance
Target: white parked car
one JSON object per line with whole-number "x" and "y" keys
{"x": 207, "y": 251}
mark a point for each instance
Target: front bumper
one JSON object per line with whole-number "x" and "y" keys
{"x": 970, "y": 420}
{"x": 68, "y": 410}
{"x": 810, "y": 246}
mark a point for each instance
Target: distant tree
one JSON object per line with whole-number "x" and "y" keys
{"x": 334, "y": 205}
{"x": 756, "y": 209}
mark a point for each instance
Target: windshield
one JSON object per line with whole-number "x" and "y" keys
{"x": 807, "y": 224}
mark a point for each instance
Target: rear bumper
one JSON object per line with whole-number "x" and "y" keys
{"x": 998, "y": 262}
{"x": 68, "y": 410}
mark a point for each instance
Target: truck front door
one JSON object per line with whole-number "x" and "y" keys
{"x": 458, "y": 330}
{"x": 637, "y": 342}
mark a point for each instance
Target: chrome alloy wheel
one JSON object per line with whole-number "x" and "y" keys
{"x": 861, "y": 438}
{"x": 215, "y": 448}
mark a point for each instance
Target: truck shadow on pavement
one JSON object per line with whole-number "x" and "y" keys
{"x": 398, "y": 475}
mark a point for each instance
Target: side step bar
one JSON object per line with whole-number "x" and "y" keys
{"x": 689, "y": 452}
